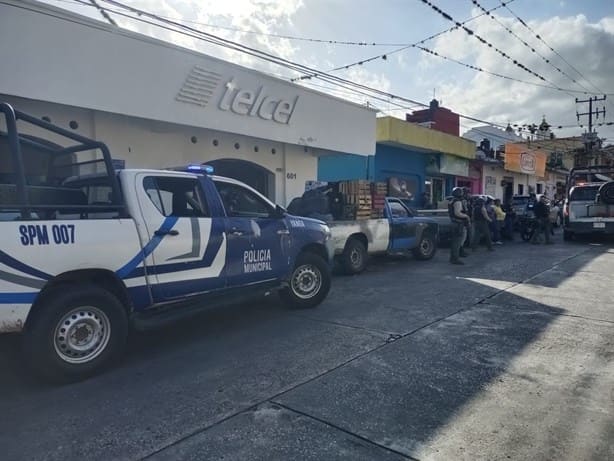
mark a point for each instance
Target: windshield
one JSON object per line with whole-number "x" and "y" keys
{"x": 584, "y": 193}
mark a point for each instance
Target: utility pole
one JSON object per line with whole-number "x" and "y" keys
{"x": 590, "y": 137}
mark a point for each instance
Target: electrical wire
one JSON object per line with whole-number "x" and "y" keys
{"x": 384, "y": 56}
{"x": 495, "y": 74}
{"x": 347, "y": 84}
{"x": 537, "y": 36}
{"x": 546, "y": 60}
{"x": 486, "y": 42}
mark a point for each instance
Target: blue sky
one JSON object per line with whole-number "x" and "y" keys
{"x": 582, "y": 32}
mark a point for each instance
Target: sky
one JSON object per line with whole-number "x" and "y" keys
{"x": 562, "y": 49}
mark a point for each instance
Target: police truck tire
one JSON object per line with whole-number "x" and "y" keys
{"x": 309, "y": 283}
{"x": 606, "y": 193}
{"x": 75, "y": 333}
{"x": 354, "y": 257}
{"x": 427, "y": 247}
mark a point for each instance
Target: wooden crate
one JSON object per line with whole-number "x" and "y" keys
{"x": 379, "y": 188}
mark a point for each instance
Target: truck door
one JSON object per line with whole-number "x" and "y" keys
{"x": 258, "y": 240}
{"x": 402, "y": 226}
{"x": 187, "y": 245}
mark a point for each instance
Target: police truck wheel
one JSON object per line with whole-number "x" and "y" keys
{"x": 75, "y": 333}
{"x": 309, "y": 283}
{"x": 354, "y": 256}
{"x": 567, "y": 235}
{"x": 427, "y": 247}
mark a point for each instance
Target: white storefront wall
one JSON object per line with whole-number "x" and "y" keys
{"x": 146, "y": 98}
{"x": 150, "y": 144}
{"x": 494, "y": 187}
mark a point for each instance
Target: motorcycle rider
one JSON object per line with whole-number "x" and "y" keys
{"x": 460, "y": 223}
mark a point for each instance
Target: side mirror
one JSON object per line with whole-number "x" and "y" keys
{"x": 279, "y": 212}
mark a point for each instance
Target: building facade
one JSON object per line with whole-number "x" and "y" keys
{"x": 418, "y": 163}
{"x": 157, "y": 105}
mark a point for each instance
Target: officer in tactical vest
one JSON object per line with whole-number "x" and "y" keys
{"x": 460, "y": 223}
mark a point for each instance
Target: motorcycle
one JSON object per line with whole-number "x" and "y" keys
{"x": 528, "y": 226}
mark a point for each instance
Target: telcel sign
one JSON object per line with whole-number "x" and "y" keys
{"x": 256, "y": 103}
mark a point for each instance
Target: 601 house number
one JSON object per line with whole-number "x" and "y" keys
{"x": 290, "y": 175}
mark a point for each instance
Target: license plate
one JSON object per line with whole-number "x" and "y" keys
{"x": 598, "y": 225}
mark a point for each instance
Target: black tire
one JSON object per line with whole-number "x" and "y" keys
{"x": 567, "y": 235}
{"x": 315, "y": 271}
{"x": 354, "y": 257}
{"x": 606, "y": 193}
{"x": 527, "y": 231}
{"x": 427, "y": 247}
{"x": 83, "y": 310}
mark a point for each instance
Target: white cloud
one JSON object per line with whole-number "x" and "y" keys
{"x": 586, "y": 46}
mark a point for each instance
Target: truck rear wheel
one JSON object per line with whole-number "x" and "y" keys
{"x": 309, "y": 283}
{"x": 427, "y": 247}
{"x": 354, "y": 257}
{"x": 75, "y": 333}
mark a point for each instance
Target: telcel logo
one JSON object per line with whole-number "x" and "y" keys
{"x": 256, "y": 103}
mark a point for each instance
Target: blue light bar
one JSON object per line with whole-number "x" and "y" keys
{"x": 208, "y": 169}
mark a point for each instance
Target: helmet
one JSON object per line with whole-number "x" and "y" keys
{"x": 457, "y": 192}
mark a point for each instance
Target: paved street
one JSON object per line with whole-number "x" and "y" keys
{"x": 508, "y": 357}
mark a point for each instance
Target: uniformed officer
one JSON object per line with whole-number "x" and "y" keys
{"x": 460, "y": 223}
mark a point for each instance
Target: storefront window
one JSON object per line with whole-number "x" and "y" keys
{"x": 433, "y": 186}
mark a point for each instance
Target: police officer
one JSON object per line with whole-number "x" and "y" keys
{"x": 542, "y": 214}
{"x": 467, "y": 204}
{"x": 460, "y": 223}
{"x": 481, "y": 222}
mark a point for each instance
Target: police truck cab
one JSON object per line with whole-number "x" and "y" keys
{"x": 88, "y": 251}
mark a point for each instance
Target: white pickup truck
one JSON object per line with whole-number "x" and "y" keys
{"x": 87, "y": 251}
{"x": 589, "y": 204}
{"x": 400, "y": 231}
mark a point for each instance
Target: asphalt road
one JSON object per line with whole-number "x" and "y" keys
{"x": 508, "y": 357}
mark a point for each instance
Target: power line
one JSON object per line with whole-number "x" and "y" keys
{"x": 333, "y": 80}
{"x": 483, "y": 41}
{"x": 495, "y": 74}
{"x": 510, "y": 31}
{"x": 537, "y": 36}
{"x": 519, "y": 19}
{"x": 103, "y": 13}
{"x": 384, "y": 56}
{"x": 267, "y": 34}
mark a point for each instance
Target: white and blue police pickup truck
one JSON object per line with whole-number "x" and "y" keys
{"x": 86, "y": 251}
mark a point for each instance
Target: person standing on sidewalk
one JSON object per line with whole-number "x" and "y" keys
{"x": 460, "y": 223}
{"x": 480, "y": 225}
{"x": 502, "y": 224}
{"x": 495, "y": 229}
